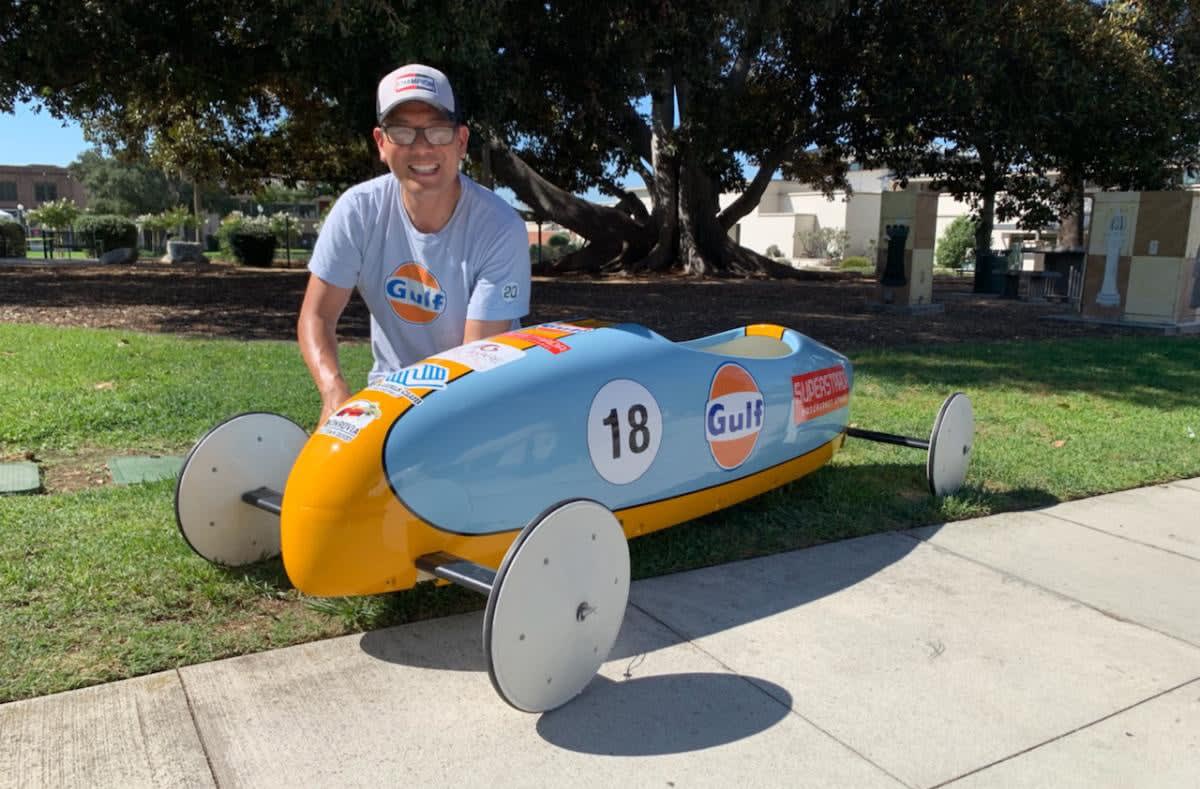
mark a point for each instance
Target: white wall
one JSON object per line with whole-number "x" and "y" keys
{"x": 761, "y": 231}
{"x": 869, "y": 181}
{"x": 829, "y": 213}
{"x": 773, "y": 221}
{"x": 862, "y": 223}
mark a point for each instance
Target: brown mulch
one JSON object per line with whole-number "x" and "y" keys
{"x": 227, "y": 301}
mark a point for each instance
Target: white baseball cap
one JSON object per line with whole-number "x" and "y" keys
{"x": 414, "y": 82}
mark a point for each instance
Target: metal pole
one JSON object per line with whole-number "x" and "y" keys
{"x": 287, "y": 238}
{"x": 475, "y": 577}
{"x": 887, "y": 438}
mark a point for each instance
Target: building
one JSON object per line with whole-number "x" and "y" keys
{"x": 25, "y": 187}
{"x": 790, "y": 214}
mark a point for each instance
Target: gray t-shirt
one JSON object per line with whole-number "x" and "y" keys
{"x": 422, "y": 287}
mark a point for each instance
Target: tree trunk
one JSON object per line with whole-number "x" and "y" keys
{"x": 684, "y": 231}
{"x": 1070, "y": 221}
{"x": 983, "y": 238}
{"x": 487, "y": 178}
{"x": 196, "y": 210}
{"x": 664, "y": 188}
{"x": 705, "y": 248}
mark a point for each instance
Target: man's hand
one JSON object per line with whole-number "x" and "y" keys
{"x": 331, "y": 399}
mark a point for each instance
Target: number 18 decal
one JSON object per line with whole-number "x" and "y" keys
{"x": 624, "y": 430}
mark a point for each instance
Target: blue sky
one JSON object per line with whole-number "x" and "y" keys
{"x": 27, "y": 137}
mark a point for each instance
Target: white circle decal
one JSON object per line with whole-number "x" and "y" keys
{"x": 624, "y": 430}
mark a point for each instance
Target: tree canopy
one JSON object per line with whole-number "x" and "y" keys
{"x": 116, "y": 187}
{"x": 1025, "y": 99}
{"x": 989, "y": 98}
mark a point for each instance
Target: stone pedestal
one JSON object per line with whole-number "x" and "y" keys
{"x": 119, "y": 255}
{"x": 184, "y": 252}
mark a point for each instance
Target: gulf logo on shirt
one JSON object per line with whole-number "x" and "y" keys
{"x": 415, "y": 294}
{"x": 733, "y": 416}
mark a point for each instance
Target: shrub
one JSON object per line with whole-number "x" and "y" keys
{"x": 12, "y": 240}
{"x": 157, "y": 225}
{"x": 250, "y": 240}
{"x": 284, "y": 226}
{"x": 105, "y": 232}
{"x": 857, "y": 261}
{"x": 774, "y": 252}
{"x": 955, "y": 244}
{"x": 559, "y": 240}
{"x": 57, "y": 214}
{"x": 825, "y": 242}
{"x": 253, "y": 245}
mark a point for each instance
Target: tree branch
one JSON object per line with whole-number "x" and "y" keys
{"x": 641, "y": 138}
{"x": 751, "y": 43}
{"x": 582, "y": 216}
{"x": 749, "y": 199}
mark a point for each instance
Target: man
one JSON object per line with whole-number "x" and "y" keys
{"x": 438, "y": 259}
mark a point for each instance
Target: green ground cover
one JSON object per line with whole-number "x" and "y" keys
{"x": 97, "y": 585}
{"x": 296, "y": 256}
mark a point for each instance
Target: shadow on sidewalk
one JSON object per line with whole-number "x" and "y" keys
{"x": 676, "y": 713}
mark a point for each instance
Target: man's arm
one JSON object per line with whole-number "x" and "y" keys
{"x": 317, "y": 332}
{"x": 478, "y": 330}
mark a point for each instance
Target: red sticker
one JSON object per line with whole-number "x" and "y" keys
{"x": 819, "y": 392}
{"x": 553, "y": 346}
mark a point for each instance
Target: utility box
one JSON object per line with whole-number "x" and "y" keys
{"x": 1142, "y": 259}
{"x": 916, "y": 211}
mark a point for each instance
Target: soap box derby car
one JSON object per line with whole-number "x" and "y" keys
{"x": 518, "y": 466}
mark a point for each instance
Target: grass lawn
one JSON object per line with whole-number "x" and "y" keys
{"x": 97, "y": 585}
{"x": 298, "y": 256}
{"x": 35, "y": 253}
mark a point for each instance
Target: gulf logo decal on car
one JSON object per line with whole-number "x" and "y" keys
{"x": 733, "y": 416}
{"x": 415, "y": 293}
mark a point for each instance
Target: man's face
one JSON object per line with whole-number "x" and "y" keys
{"x": 423, "y": 169}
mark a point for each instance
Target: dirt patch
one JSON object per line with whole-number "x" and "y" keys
{"x": 65, "y": 472}
{"x": 229, "y": 301}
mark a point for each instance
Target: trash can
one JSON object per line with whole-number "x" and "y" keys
{"x": 1012, "y": 285}
{"x": 991, "y": 270}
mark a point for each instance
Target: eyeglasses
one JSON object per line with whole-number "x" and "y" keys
{"x": 407, "y": 135}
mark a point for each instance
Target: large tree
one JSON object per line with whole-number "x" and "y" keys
{"x": 683, "y": 95}
{"x": 128, "y": 188}
{"x": 563, "y": 96}
{"x": 1010, "y": 105}
{"x": 1125, "y": 106}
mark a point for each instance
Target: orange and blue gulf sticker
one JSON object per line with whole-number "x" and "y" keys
{"x": 415, "y": 294}
{"x": 733, "y": 416}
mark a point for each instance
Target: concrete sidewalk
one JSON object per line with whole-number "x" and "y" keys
{"x": 1055, "y": 648}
